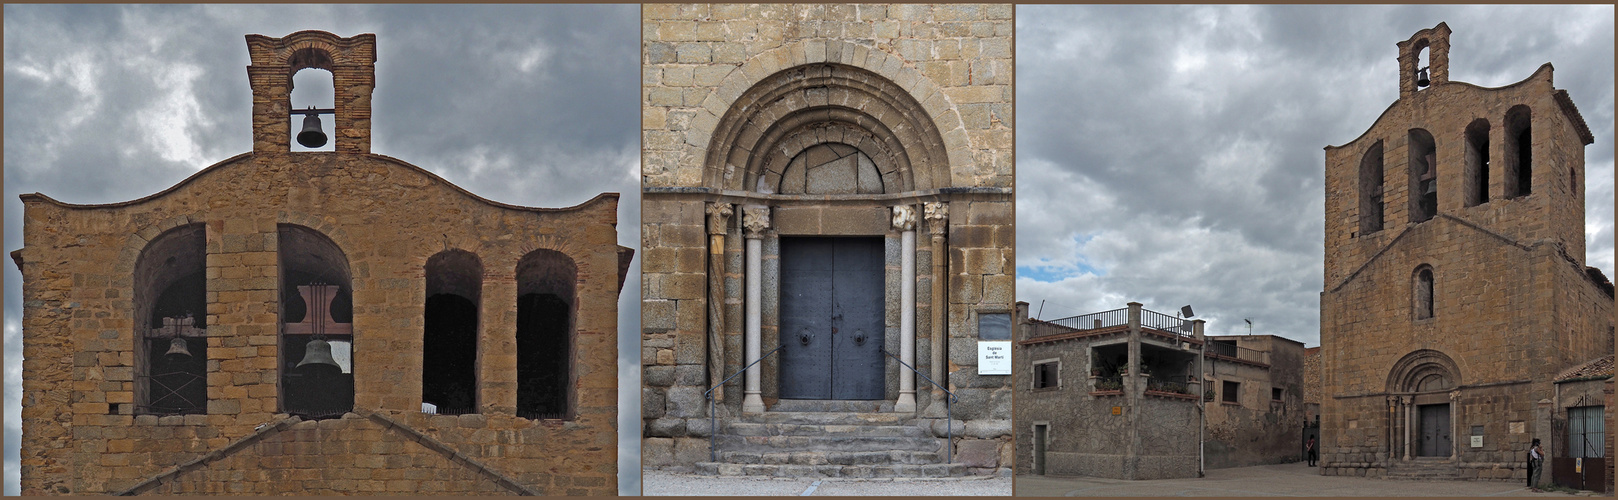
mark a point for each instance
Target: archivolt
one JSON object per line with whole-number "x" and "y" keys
{"x": 1422, "y": 365}
{"x": 799, "y": 107}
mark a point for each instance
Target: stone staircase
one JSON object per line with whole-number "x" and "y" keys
{"x": 1423, "y": 469}
{"x": 828, "y": 439}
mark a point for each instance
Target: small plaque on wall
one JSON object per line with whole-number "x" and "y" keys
{"x": 1477, "y": 441}
{"x": 994, "y": 357}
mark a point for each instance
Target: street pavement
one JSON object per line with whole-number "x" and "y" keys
{"x": 1294, "y": 479}
{"x": 659, "y": 483}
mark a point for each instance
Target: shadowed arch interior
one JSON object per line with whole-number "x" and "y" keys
{"x": 169, "y": 284}
{"x": 546, "y": 288}
{"x": 310, "y": 259}
{"x": 450, "y": 332}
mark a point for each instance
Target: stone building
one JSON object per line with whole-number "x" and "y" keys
{"x": 792, "y": 155}
{"x": 1117, "y": 394}
{"x": 1455, "y": 289}
{"x": 275, "y": 323}
{"x": 1257, "y": 382}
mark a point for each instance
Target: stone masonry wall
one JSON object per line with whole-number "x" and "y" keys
{"x": 81, "y": 431}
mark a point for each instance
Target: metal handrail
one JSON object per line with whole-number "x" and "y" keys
{"x": 949, "y": 415}
{"x": 713, "y": 430}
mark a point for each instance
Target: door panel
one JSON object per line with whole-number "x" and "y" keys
{"x": 832, "y": 318}
{"x": 1435, "y": 435}
{"x": 857, "y": 308}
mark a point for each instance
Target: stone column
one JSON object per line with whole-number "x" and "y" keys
{"x": 1454, "y": 424}
{"x": 718, "y": 225}
{"x": 1409, "y": 415}
{"x": 1132, "y": 396}
{"x": 1392, "y": 432}
{"x": 755, "y": 220}
{"x": 904, "y": 220}
{"x": 937, "y": 214}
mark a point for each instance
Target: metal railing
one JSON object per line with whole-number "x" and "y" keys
{"x": 713, "y": 425}
{"x": 1094, "y": 321}
{"x": 1174, "y": 384}
{"x": 1159, "y": 321}
{"x": 949, "y": 414}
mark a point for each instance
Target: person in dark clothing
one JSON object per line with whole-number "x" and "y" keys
{"x": 1312, "y": 451}
{"x": 1536, "y": 464}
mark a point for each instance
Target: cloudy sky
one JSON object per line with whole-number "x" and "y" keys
{"x": 1173, "y": 155}
{"x": 528, "y": 105}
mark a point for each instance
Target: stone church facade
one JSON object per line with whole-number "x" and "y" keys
{"x": 827, "y": 202}
{"x": 1456, "y": 289}
{"x": 275, "y": 323}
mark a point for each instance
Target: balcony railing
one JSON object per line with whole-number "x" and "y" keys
{"x": 1163, "y": 322}
{"x": 1095, "y": 321}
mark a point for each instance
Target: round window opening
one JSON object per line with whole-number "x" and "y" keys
{"x": 831, "y": 168}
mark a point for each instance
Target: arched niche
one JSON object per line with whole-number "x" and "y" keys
{"x": 546, "y": 305}
{"x": 316, "y": 306}
{"x": 451, "y": 331}
{"x": 171, "y": 347}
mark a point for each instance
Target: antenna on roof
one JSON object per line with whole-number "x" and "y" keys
{"x": 1249, "y": 325}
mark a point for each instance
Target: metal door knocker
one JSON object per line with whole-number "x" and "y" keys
{"x": 859, "y": 337}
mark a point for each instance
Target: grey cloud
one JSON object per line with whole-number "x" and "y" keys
{"x": 1182, "y": 144}
{"x": 523, "y": 104}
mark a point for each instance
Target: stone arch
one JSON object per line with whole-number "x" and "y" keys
{"x": 1423, "y": 293}
{"x": 170, "y": 315}
{"x": 547, "y": 315}
{"x": 1422, "y": 164}
{"x": 450, "y": 331}
{"x": 1519, "y": 144}
{"x": 316, "y": 304}
{"x": 793, "y": 89}
{"x": 1424, "y": 370}
{"x": 1477, "y": 162}
{"x": 1371, "y": 190}
{"x": 352, "y": 63}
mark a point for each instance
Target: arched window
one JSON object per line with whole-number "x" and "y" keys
{"x": 1423, "y": 74}
{"x": 1477, "y": 162}
{"x": 449, "y": 357}
{"x": 546, "y": 281}
{"x": 171, "y": 347}
{"x": 317, "y": 330}
{"x": 1371, "y": 190}
{"x": 1422, "y": 292}
{"x": 1423, "y": 162}
{"x": 312, "y": 87}
{"x": 1519, "y": 151}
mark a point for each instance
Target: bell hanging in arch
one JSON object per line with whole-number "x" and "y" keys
{"x": 317, "y": 359}
{"x": 311, "y": 136}
{"x": 1422, "y": 80}
{"x": 178, "y": 353}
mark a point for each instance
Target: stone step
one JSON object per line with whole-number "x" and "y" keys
{"x": 758, "y": 429}
{"x": 832, "y": 470}
{"x": 893, "y": 457}
{"x": 827, "y": 443}
{"x": 827, "y": 418}
{"x": 832, "y": 405}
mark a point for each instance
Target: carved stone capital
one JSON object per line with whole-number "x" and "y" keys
{"x": 755, "y": 220}
{"x": 904, "y": 218}
{"x": 937, "y": 214}
{"x": 718, "y": 217}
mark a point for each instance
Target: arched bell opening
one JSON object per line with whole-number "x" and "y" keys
{"x": 313, "y": 88}
{"x": 1423, "y": 166}
{"x": 171, "y": 347}
{"x": 317, "y": 334}
{"x": 546, "y": 282}
{"x": 1519, "y": 151}
{"x": 1477, "y": 162}
{"x": 1371, "y": 190}
{"x": 450, "y": 332}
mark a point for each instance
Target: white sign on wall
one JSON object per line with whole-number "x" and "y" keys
{"x": 994, "y": 357}
{"x": 1477, "y": 441}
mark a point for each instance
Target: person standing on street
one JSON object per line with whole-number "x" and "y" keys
{"x": 1536, "y": 463}
{"x": 1314, "y": 454}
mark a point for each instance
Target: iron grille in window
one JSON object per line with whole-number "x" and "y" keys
{"x": 177, "y": 361}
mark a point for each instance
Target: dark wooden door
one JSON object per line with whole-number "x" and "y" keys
{"x": 1435, "y": 435}
{"x": 832, "y": 308}
{"x": 1039, "y": 449}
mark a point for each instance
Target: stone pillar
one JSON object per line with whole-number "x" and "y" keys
{"x": 718, "y": 224}
{"x": 1393, "y": 428}
{"x": 755, "y": 220}
{"x": 904, "y": 220}
{"x": 1409, "y": 412}
{"x": 1132, "y": 396}
{"x": 1454, "y": 424}
{"x": 937, "y": 214}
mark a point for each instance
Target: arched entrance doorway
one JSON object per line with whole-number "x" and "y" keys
{"x": 1427, "y": 380}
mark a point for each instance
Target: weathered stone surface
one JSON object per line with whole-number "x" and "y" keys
{"x": 90, "y": 276}
{"x": 978, "y": 453}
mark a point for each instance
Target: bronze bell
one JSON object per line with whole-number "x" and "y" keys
{"x": 311, "y": 136}
{"x": 1421, "y": 78}
{"x": 178, "y": 353}
{"x": 317, "y": 357}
